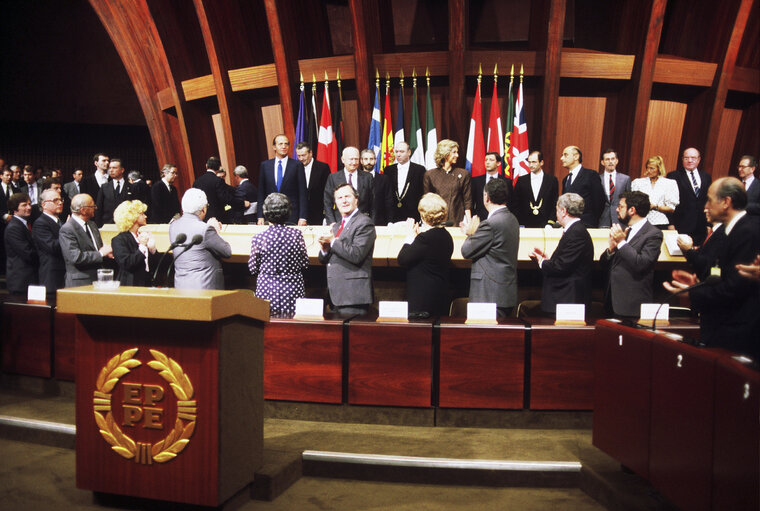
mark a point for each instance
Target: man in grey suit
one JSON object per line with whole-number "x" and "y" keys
{"x": 72, "y": 188}
{"x": 81, "y": 246}
{"x": 198, "y": 265}
{"x": 631, "y": 257}
{"x": 347, "y": 251}
{"x": 614, "y": 184}
{"x": 492, "y": 246}
{"x": 359, "y": 180}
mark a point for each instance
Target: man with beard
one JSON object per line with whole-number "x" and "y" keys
{"x": 382, "y": 203}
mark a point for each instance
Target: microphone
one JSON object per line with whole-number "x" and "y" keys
{"x": 195, "y": 240}
{"x": 711, "y": 280}
{"x": 178, "y": 241}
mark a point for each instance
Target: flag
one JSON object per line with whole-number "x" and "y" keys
{"x": 375, "y": 135}
{"x": 495, "y": 137}
{"x": 398, "y": 135}
{"x": 476, "y": 150}
{"x": 431, "y": 136}
{"x": 301, "y": 124}
{"x": 313, "y": 119}
{"x": 508, "y": 135}
{"x": 387, "y": 157}
{"x": 520, "y": 149}
{"x": 327, "y": 151}
{"x": 337, "y": 120}
{"x": 415, "y": 132}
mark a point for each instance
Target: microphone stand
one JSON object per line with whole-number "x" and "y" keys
{"x": 181, "y": 238}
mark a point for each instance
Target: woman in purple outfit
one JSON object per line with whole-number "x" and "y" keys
{"x": 278, "y": 258}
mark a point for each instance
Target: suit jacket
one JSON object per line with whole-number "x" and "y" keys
{"x": 349, "y": 262}
{"x": 478, "y": 183}
{"x": 547, "y": 198}
{"x": 164, "y": 202}
{"x": 131, "y": 261}
{"x": 365, "y": 188}
{"x": 493, "y": 250}
{"x": 141, "y": 191}
{"x": 4, "y": 199}
{"x": 609, "y": 208}
{"x": 702, "y": 259}
{"x": 315, "y": 192}
{"x": 70, "y": 188}
{"x": 199, "y": 267}
{"x": 588, "y": 185}
{"x": 52, "y": 267}
{"x": 80, "y": 256}
{"x": 414, "y": 191}
{"x": 218, "y": 194}
{"x": 631, "y": 271}
{"x": 245, "y": 191}
{"x": 689, "y": 216}
{"x": 21, "y": 257}
{"x": 729, "y": 309}
{"x": 293, "y": 185}
{"x": 753, "y": 198}
{"x": 108, "y": 200}
{"x": 427, "y": 261}
{"x": 382, "y": 202}
{"x": 90, "y": 186}
{"x": 567, "y": 273}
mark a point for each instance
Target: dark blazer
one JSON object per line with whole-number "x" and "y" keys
{"x": 427, "y": 261}
{"x": 141, "y": 191}
{"x": 414, "y": 192}
{"x": 52, "y": 268}
{"x": 315, "y": 192}
{"x": 547, "y": 198}
{"x": 131, "y": 261}
{"x": 729, "y": 309}
{"x": 382, "y": 203}
{"x": 478, "y": 183}
{"x": 753, "y": 198}
{"x": 567, "y": 273}
{"x": 609, "y": 208}
{"x": 245, "y": 191}
{"x": 4, "y": 199}
{"x": 588, "y": 185}
{"x": 631, "y": 271}
{"x": 164, "y": 202}
{"x": 703, "y": 258}
{"x": 82, "y": 259}
{"x": 218, "y": 193}
{"x": 108, "y": 200}
{"x": 366, "y": 194}
{"x": 90, "y": 186}
{"x": 293, "y": 185}
{"x": 689, "y": 216}
{"x": 21, "y": 257}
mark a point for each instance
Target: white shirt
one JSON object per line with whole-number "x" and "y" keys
{"x": 143, "y": 249}
{"x": 307, "y": 170}
{"x": 536, "y": 178}
{"x": 118, "y": 183}
{"x": 101, "y": 177}
{"x": 354, "y": 178}
{"x": 7, "y": 189}
{"x": 663, "y": 193}
{"x": 497, "y": 208}
{"x": 82, "y": 223}
{"x": 635, "y": 228}
{"x": 733, "y": 221}
{"x": 33, "y": 192}
{"x": 168, "y": 185}
{"x": 694, "y": 173}
{"x": 284, "y": 164}
{"x": 403, "y": 172}
{"x": 574, "y": 173}
{"x": 565, "y": 228}
{"x": 748, "y": 182}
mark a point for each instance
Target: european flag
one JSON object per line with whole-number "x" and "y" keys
{"x": 375, "y": 132}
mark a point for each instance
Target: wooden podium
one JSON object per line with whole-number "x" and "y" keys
{"x": 169, "y": 391}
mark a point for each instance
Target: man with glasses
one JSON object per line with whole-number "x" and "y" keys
{"x": 689, "y": 216}
{"x": 45, "y": 235}
{"x": 747, "y": 167}
{"x": 82, "y": 248}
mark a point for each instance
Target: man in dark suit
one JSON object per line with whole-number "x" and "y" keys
{"x": 219, "y": 194}
{"x": 535, "y": 195}
{"x": 614, "y": 184}
{"x": 7, "y": 189}
{"x": 244, "y": 192}
{"x": 631, "y": 257}
{"x": 361, "y": 181}
{"x": 140, "y": 189}
{"x": 478, "y": 183}
{"x": 747, "y": 167}
{"x": 81, "y": 245}
{"x": 382, "y": 202}
{"x": 21, "y": 263}
{"x": 111, "y": 194}
{"x": 284, "y": 175}
{"x": 567, "y": 273}
{"x": 689, "y": 216}
{"x": 164, "y": 198}
{"x": 73, "y": 187}
{"x": 316, "y": 173}
{"x": 45, "y": 235}
{"x": 92, "y": 183}
{"x": 347, "y": 252}
{"x": 492, "y": 245}
{"x": 406, "y": 181}
{"x": 585, "y": 182}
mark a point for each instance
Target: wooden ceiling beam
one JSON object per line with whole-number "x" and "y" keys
{"x": 285, "y": 58}
{"x": 456, "y": 99}
{"x": 550, "y": 55}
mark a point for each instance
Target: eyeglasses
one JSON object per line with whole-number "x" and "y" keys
{"x": 55, "y": 200}
{"x": 93, "y": 207}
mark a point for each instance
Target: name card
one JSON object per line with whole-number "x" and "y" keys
{"x": 648, "y": 311}
{"x": 36, "y": 294}
{"x": 393, "y": 311}
{"x": 309, "y": 308}
{"x": 481, "y": 313}
{"x": 570, "y": 314}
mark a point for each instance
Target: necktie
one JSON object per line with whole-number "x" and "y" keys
{"x": 349, "y": 178}
{"x": 278, "y": 179}
{"x": 29, "y": 226}
{"x": 89, "y": 233}
{"x": 612, "y": 187}
{"x": 694, "y": 182}
{"x": 7, "y": 192}
{"x": 340, "y": 229}
{"x": 118, "y": 187}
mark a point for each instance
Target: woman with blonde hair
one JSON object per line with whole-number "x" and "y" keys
{"x": 662, "y": 192}
{"x": 449, "y": 182}
{"x": 134, "y": 249}
{"x": 427, "y": 256}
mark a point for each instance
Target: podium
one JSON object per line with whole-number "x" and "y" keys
{"x": 169, "y": 391}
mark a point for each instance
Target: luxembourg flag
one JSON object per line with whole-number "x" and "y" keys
{"x": 328, "y": 149}
{"x": 520, "y": 148}
{"x": 476, "y": 151}
{"x": 375, "y": 133}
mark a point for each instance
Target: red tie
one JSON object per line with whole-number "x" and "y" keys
{"x": 29, "y": 226}
{"x": 349, "y": 178}
{"x": 340, "y": 229}
{"x": 612, "y": 187}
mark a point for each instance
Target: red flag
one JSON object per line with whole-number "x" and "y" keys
{"x": 495, "y": 136}
{"x": 327, "y": 150}
{"x": 520, "y": 149}
{"x": 387, "y": 155}
{"x": 476, "y": 147}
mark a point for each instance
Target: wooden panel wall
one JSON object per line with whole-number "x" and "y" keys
{"x": 273, "y": 125}
{"x": 729, "y": 127}
{"x": 663, "y": 134}
{"x": 579, "y": 123}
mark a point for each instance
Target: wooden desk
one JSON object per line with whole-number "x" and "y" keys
{"x": 27, "y": 338}
{"x": 64, "y": 328}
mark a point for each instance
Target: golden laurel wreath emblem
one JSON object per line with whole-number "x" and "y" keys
{"x": 145, "y": 453}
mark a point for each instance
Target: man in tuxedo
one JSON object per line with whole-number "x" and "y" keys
{"x": 73, "y": 188}
{"x": 747, "y": 167}
{"x": 585, "y": 182}
{"x": 689, "y": 217}
{"x": 220, "y": 195}
{"x": 81, "y": 245}
{"x": 45, "y": 235}
{"x": 92, "y": 183}
{"x": 478, "y": 184}
{"x": 614, "y": 184}
{"x": 21, "y": 263}
{"x": 164, "y": 198}
{"x": 245, "y": 191}
{"x": 406, "y": 181}
{"x": 284, "y": 175}
{"x": 361, "y": 181}
{"x": 115, "y": 191}
{"x": 316, "y": 173}
{"x": 567, "y": 273}
{"x": 631, "y": 257}
{"x": 382, "y": 202}
{"x": 347, "y": 252}
{"x": 492, "y": 245}
{"x": 535, "y": 195}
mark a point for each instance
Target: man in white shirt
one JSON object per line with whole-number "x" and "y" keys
{"x": 406, "y": 183}
{"x": 92, "y": 183}
{"x": 693, "y": 183}
{"x": 747, "y": 167}
{"x": 316, "y": 173}
{"x": 614, "y": 183}
{"x": 535, "y": 194}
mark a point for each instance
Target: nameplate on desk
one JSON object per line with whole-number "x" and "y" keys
{"x": 310, "y": 308}
{"x": 481, "y": 314}
{"x": 36, "y": 294}
{"x": 393, "y": 311}
{"x": 570, "y": 314}
{"x": 649, "y": 310}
